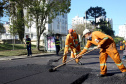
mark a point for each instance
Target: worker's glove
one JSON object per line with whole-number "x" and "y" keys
{"x": 79, "y": 56}
{"x": 65, "y": 53}
{"x": 99, "y": 46}
{"x": 96, "y": 47}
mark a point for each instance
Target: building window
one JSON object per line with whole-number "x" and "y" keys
{"x": 58, "y": 26}
{"x": 65, "y": 22}
{"x": 57, "y": 19}
{"x": 63, "y": 15}
{"x": 62, "y": 21}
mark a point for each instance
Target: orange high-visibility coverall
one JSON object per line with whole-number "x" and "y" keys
{"x": 69, "y": 44}
{"x": 121, "y": 45}
{"x": 108, "y": 47}
{"x": 77, "y": 48}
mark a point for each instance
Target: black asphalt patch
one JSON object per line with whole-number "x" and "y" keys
{"x": 39, "y": 74}
{"x": 36, "y": 71}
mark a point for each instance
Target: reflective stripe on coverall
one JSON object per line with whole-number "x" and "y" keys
{"x": 108, "y": 47}
{"x": 77, "y": 48}
{"x": 69, "y": 44}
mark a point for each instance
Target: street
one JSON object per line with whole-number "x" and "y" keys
{"x": 35, "y": 70}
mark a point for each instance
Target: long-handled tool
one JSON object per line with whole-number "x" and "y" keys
{"x": 58, "y": 58}
{"x": 53, "y": 69}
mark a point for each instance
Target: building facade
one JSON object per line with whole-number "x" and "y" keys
{"x": 122, "y": 31}
{"x": 105, "y": 19}
{"x": 58, "y": 27}
{"x": 79, "y": 20}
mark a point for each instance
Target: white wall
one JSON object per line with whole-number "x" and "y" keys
{"x": 107, "y": 19}
{"x": 78, "y": 20}
{"x": 122, "y": 31}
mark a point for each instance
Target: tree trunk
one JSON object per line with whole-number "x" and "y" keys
{"x": 38, "y": 36}
{"x": 38, "y": 42}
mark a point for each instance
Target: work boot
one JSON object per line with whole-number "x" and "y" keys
{"x": 63, "y": 62}
{"x": 101, "y": 75}
{"x": 79, "y": 63}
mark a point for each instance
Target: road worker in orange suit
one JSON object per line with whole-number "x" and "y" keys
{"x": 77, "y": 46}
{"x": 69, "y": 44}
{"x": 107, "y": 46}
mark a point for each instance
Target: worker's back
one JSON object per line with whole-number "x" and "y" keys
{"x": 69, "y": 40}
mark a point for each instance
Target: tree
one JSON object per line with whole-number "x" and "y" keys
{"x": 14, "y": 9}
{"x": 79, "y": 28}
{"x": 44, "y": 11}
{"x": 17, "y": 18}
{"x": 2, "y": 29}
{"x": 95, "y": 12}
{"x": 105, "y": 27}
{"x": 1, "y": 9}
{"x": 4, "y": 8}
{"x": 118, "y": 39}
{"x": 41, "y": 12}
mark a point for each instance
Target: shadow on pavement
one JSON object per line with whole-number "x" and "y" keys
{"x": 81, "y": 79}
{"x": 113, "y": 73}
{"x": 91, "y": 63}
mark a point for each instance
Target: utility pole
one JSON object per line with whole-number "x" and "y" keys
{"x": 85, "y": 28}
{"x": 85, "y": 21}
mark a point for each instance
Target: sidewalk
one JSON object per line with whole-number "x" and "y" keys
{"x": 24, "y": 56}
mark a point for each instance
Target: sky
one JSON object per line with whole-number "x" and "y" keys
{"x": 115, "y": 9}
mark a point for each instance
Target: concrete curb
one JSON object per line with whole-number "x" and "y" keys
{"x": 23, "y": 56}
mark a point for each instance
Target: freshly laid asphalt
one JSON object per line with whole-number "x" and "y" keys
{"x": 35, "y": 70}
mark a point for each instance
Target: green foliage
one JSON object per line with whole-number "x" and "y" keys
{"x": 7, "y": 46}
{"x": 98, "y": 29}
{"x": 1, "y": 9}
{"x": 4, "y": 8}
{"x": 43, "y": 11}
{"x": 39, "y": 11}
{"x": 20, "y": 23}
{"x": 17, "y": 18}
{"x": 13, "y": 29}
{"x": 6, "y": 50}
{"x": 105, "y": 27}
{"x": 118, "y": 39}
{"x": 2, "y": 29}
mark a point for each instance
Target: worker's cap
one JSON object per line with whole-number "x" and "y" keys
{"x": 70, "y": 30}
{"x": 86, "y": 31}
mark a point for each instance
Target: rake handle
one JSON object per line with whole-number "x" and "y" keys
{"x": 73, "y": 59}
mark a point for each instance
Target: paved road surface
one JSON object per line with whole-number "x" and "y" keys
{"x": 35, "y": 71}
